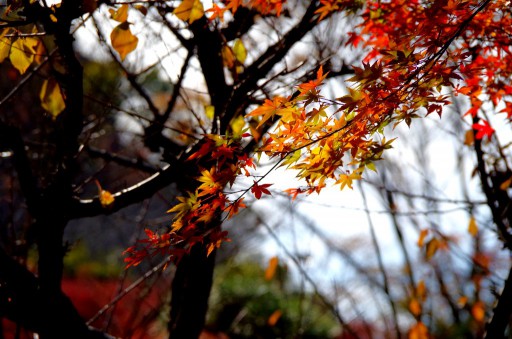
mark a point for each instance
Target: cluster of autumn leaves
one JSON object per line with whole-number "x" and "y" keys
{"x": 415, "y": 55}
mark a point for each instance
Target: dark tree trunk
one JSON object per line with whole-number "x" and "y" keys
{"x": 190, "y": 291}
{"x": 502, "y": 312}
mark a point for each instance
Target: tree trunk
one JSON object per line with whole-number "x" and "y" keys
{"x": 502, "y": 312}
{"x": 190, "y": 291}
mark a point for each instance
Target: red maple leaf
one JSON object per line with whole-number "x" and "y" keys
{"x": 258, "y": 190}
{"x": 483, "y": 128}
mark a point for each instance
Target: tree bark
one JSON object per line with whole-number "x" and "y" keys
{"x": 502, "y": 312}
{"x": 23, "y": 301}
{"x": 190, "y": 291}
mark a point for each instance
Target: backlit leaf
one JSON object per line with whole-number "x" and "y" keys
{"x": 106, "y": 198}
{"x": 189, "y": 10}
{"x": 478, "y": 311}
{"x": 274, "y": 317}
{"x": 123, "y": 41}
{"x": 259, "y": 190}
{"x": 121, "y": 14}
{"x": 469, "y": 138}
{"x": 432, "y": 247}
{"x": 22, "y": 53}
{"x": 415, "y": 307}
{"x": 228, "y": 56}
{"x": 51, "y": 97}
{"x": 271, "y": 268}
{"x": 421, "y": 239}
{"x": 5, "y": 44}
{"x": 239, "y": 51}
{"x": 483, "y": 129}
{"x": 237, "y": 124}
{"x": 506, "y": 184}
{"x": 472, "y": 227}
{"x": 209, "y": 111}
{"x": 418, "y": 331}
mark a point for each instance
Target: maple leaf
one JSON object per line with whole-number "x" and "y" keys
{"x": 216, "y": 12}
{"x": 347, "y": 179}
{"x": 209, "y": 182}
{"x": 258, "y": 190}
{"x": 278, "y": 105}
{"x": 134, "y": 256}
{"x": 314, "y": 84}
{"x": 235, "y": 207}
{"x": 186, "y": 204}
{"x": 233, "y": 5}
{"x": 205, "y": 149}
{"x": 294, "y": 192}
{"x": 483, "y": 128}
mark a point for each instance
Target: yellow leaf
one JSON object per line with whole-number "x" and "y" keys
{"x": 40, "y": 54}
{"x": 189, "y": 10}
{"x": 347, "y": 179}
{"x": 432, "y": 247}
{"x": 271, "y": 268}
{"x": 239, "y": 51}
{"x": 237, "y": 124}
{"x": 472, "y": 227}
{"x": 274, "y": 317}
{"x": 5, "y": 44}
{"x": 106, "y": 198}
{"x": 228, "y": 56}
{"x": 121, "y": 14}
{"x": 51, "y": 97}
{"x": 123, "y": 41}
{"x": 209, "y": 111}
{"x": 177, "y": 225}
{"x": 185, "y": 205}
{"x": 423, "y": 235}
{"x": 22, "y": 53}
{"x": 278, "y": 105}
